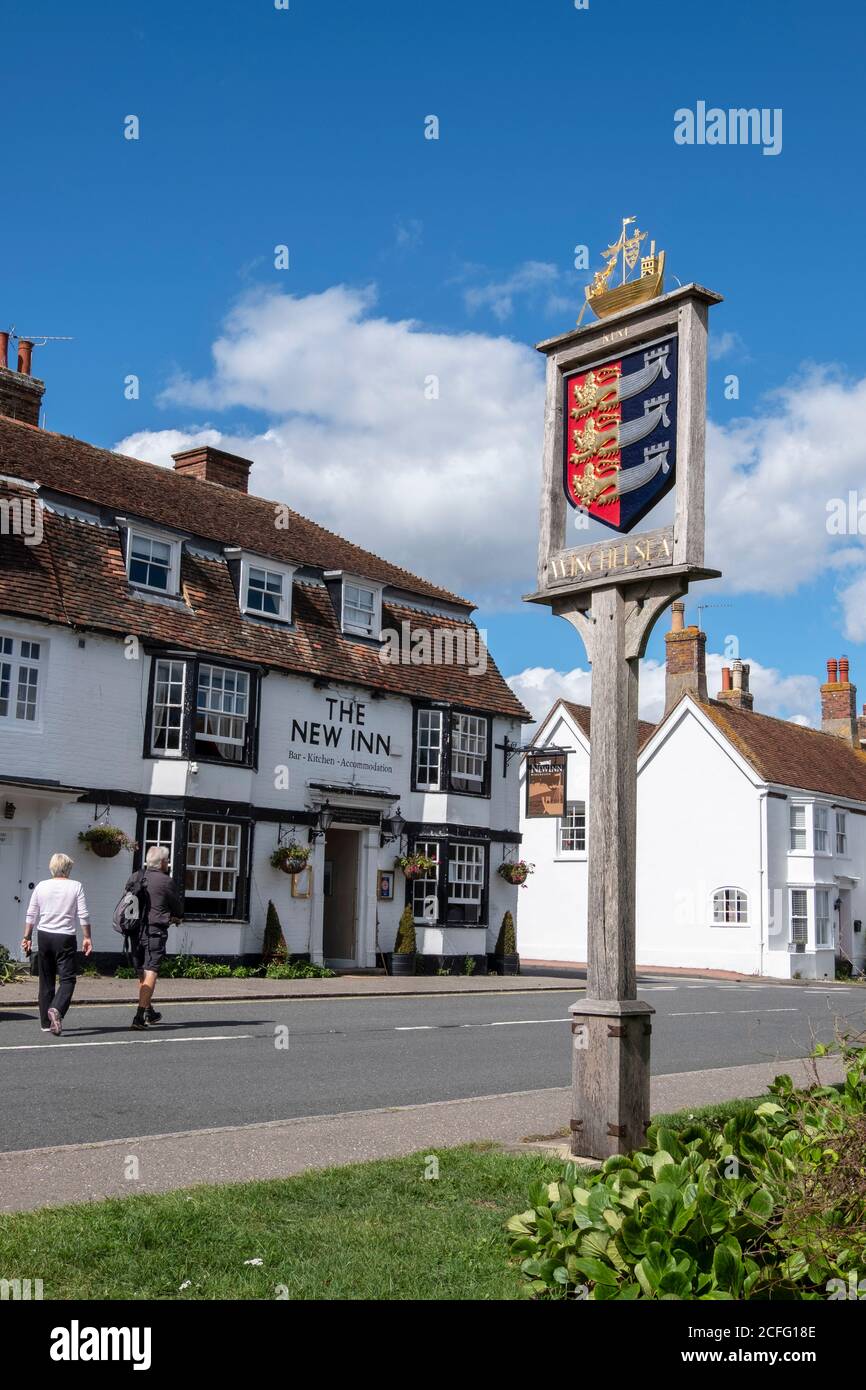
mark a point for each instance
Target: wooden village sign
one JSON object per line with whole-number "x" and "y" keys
{"x": 624, "y": 425}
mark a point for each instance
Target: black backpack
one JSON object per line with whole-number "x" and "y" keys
{"x": 130, "y": 915}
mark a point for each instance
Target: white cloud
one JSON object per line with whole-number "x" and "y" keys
{"x": 446, "y": 487}
{"x": 498, "y": 296}
{"x": 770, "y": 480}
{"x": 449, "y": 487}
{"x": 723, "y": 344}
{"x": 786, "y": 697}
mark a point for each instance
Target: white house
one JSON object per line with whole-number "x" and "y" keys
{"x": 206, "y": 669}
{"x": 751, "y": 831}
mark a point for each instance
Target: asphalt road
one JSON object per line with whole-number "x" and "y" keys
{"x": 225, "y": 1063}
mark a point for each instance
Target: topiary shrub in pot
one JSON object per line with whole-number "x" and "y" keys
{"x": 405, "y": 949}
{"x": 106, "y": 840}
{"x": 505, "y": 958}
{"x": 274, "y": 950}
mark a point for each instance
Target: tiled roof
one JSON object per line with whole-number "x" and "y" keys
{"x": 791, "y": 755}
{"x": 77, "y": 576}
{"x": 224, "y": 515}
{"x": 581, "y": 715}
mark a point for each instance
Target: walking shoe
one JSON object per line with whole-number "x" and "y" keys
{"x": 151, "y": 1016}
{"x": 46, "y": 1030}
{"x": 55, "y": 1025}
{"x": 139, "y": 1023}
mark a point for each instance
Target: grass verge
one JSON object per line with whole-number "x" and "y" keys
{"x": 371, "y": 1231}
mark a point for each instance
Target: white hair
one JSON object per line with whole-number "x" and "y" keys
{"x": 59, "y": 865}
{"x": 156, "y": 856}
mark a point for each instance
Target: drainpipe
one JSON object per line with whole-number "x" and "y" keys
{"x": 762, "y": 874}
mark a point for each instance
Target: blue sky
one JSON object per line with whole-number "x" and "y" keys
{"x": 305, "y": 127}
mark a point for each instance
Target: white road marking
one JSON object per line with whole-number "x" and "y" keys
{"x": 700, "y": 1013}
{"x": 123, "y": 1042}
{"x": 499, "y": 1023}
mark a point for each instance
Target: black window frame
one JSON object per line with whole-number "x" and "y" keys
{"x": 188, "y": 751}
{"x": 454, "y": 786}
{"x": 181, "y": 820}
{"x": 444, "y": 913}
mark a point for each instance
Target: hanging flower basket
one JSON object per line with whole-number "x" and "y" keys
{"x": 516, "y": 871}
{"x": 416, "y": 865}
{"x": 106, "y": 840}
{"x": 291, "y": 859}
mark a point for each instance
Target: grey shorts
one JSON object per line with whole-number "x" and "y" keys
{"x": 148, "y": 952}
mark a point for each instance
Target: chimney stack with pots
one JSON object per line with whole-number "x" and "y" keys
{"x": 214, "y": 466}
{"x": 686, "y": 665}
{"x": 839, "y": 703}
{"x": 735, "y": 686}
{"x": 20, "y": 392}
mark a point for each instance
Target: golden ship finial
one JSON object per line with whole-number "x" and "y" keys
{"x": 605, "y": 299}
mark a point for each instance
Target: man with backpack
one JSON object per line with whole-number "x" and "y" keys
{"x": 158, "y": 905}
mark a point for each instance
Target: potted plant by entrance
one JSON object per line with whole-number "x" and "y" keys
{"x": 291, "y": 858}
{"x": 403, "y": 959}
{"x": 505, "y": 958}
{"x": 516, "y": 871}
{"x": 106, "y": 840}
{"x": 415, "y": 865}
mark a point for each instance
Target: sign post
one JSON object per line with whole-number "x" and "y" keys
{"x": 624, "y": 425}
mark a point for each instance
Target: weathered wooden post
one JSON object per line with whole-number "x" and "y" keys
{"x": 624, "y": 424}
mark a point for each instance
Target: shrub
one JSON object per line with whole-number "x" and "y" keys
{"x": 299, "y": 970}
{"x": 506, "y": 942}
{"x": 273, "y": 943}
{"x": 11, "y": 970}
{"x": 766, "y": 1204}
{"x": 405, "y": 943}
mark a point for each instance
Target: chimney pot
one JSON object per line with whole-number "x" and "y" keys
{"x": 677, "y": 610}
{"x": 726, "y": 678}
{"x": 25, "y": 356}
{"x": 839, "y": 706}
{"x": 4, "y": 350}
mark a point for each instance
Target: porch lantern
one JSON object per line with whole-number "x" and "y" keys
{"x": 323, "y": 821}
{"x": 392, "y": 828}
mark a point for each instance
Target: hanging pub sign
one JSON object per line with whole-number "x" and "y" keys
{"x": 624, "y": 427}
{"x": 545, "y": 784}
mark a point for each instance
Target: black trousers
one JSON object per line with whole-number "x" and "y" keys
{"x": 57, "y": 951}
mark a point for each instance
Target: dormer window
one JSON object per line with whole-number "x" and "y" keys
{"x": 266, "y": 589}
{"x": 152, "y": 561}
{"x": 362, "y": 608}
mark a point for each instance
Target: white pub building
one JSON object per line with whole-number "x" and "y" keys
{"x": 206, "y": 669}
{"x": 751, "y": 831}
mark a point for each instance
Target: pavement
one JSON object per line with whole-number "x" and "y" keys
{"x": 535, "y": 975}
{"x": 165, "y": 1162}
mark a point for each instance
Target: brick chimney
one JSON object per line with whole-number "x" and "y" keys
{"x": 686, "y": 666}
{"x": 861, "y": 729}
{"x": 20, "y": 392}
{"x": 839, "y": 703}
{"x": 214, "y": 466}
{"x": 735, "y": 686}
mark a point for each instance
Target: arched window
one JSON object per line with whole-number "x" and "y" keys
{"x": 730, "y": 907}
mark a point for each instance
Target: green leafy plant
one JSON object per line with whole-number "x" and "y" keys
{"x": 469, "y": 965}
{"x": 106, "y": 840}
{"x": 299, "y": 970}
{"x": 273, "y": 944}
{"x": 415, "y": 865}
{"x": 405, "y": 944}
{"x": 125, "y": 972}
{"x": 291, "y": 858}
{"x": 11, "y": 970}
{"x": 516, "y": 871}
{"x": 506, "y": 942}
{"x": 767, "y": 1204}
